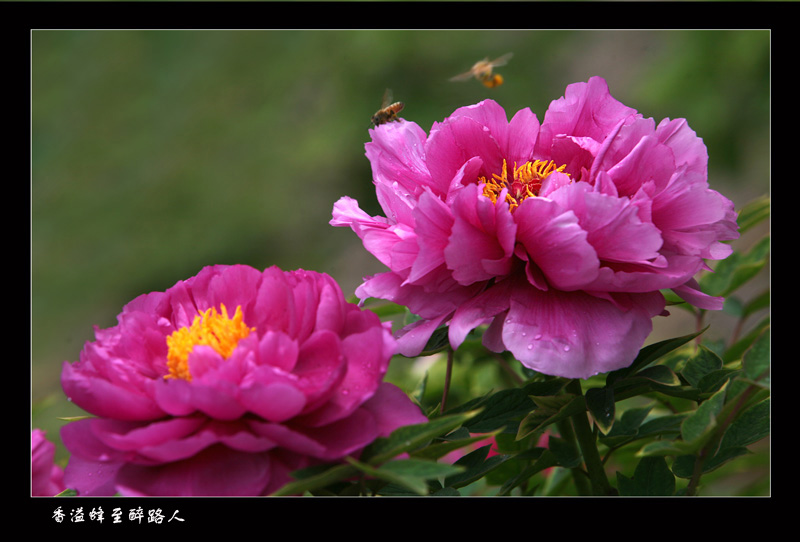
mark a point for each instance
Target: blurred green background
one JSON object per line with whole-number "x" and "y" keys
{"x": 155, "y": 153}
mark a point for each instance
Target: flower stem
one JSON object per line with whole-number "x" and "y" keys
{"x": 588, "y": 444}
{"x": 578, "y": 475}
{"x": 447, "y": 375}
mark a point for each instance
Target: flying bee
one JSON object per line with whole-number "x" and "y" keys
{"x": 482, "y": 71}
{"x": 388, "y": 111}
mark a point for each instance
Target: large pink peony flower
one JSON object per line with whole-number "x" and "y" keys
{"x": 47, "y": 478}
{"x": 559, "y": 235}
{"x": 225, "y": 383}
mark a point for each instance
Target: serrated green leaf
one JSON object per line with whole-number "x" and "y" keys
{"x": 410, "y": 437}
{"x": 756, "y": 359}
{"x": 600, "y": 402}
{"x": 652, "y": 478}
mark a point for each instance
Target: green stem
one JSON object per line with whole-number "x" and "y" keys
{"x": 578, "y": 475}
{"x": 588, "y": 444}
{"x": 447, "y": 375}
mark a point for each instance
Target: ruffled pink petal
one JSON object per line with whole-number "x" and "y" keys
{"x": 434, "y": 222}
{"x": 585, "y": 110}
{"x": 481, "y": 243}
{"x": 101, "y": 397}
{"x": 613, "y": 226}
{"x": 455, "y": 142}
{"x": 396, "y": 154}
{"x": 557, "y": 243}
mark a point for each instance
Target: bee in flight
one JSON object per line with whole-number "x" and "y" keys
{"x": 482, "y": 71}
{"x": 388, "y": 111}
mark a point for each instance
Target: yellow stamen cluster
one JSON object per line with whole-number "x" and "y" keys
{"x": 525, "y": 182}
{"x": 218, "y": 331}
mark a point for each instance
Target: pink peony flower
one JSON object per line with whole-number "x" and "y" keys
{"x": 47, "y": 478}
{"x": 227, "y": 382}
{"x": 558, "y": 235}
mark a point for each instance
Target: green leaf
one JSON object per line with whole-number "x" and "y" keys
{"x": 750, "y": 426}
{"x": 320, "y": 478}
{"x": 714, "y": 380}
{"x": 701, "y": 364}
{"x": 502, "y": 409}
{"x": 660, "y": 374}
{"x": 412, "y": 474}
{"x": 439, "y": 341}
{"x": 410, "y": 437}
{"x": 684, "y": 465}
{"x": 696, "y": 428}
{"x": 649, "y": 354}
{"x": 627, "y": 428}
{"x": 475, "y": 466}
{"x": 756, "y": 359}
{"x": 68, "y": 493}
{"x": 435, "y": 451}
{"x": 738, "y": 348}
{"x": 761, "y": 301}
{"x": 736, "y": 269}
{"x": 546, "y": 460}
{"x": 600, "y": 402}
{"x": 753, "y": 213}
{"x": 550, "y": 411}
{"x": 568, "y": 455}
{"x": 652, "y": 478}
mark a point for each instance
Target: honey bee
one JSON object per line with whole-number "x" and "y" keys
{"x": 482, "y": 71}
{"x": 388, "y": 111}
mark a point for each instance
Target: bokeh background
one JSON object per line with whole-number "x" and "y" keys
{"x": 155, "y": 153}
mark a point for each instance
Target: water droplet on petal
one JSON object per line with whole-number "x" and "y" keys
{"x": 530, "y": 347}
{"x": 538, "y": 336}
{"x": 566, "y": 348}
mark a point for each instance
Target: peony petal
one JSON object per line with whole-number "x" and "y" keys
{"x": 481, "y": 243}
{"x": 557, "y": 244}
{"x": 572, "y": 334}
{"x": 245, "y": 474}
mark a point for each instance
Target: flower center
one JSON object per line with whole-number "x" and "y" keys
{"x": 208, "y": 328}
{"x": 525, "y": 181}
